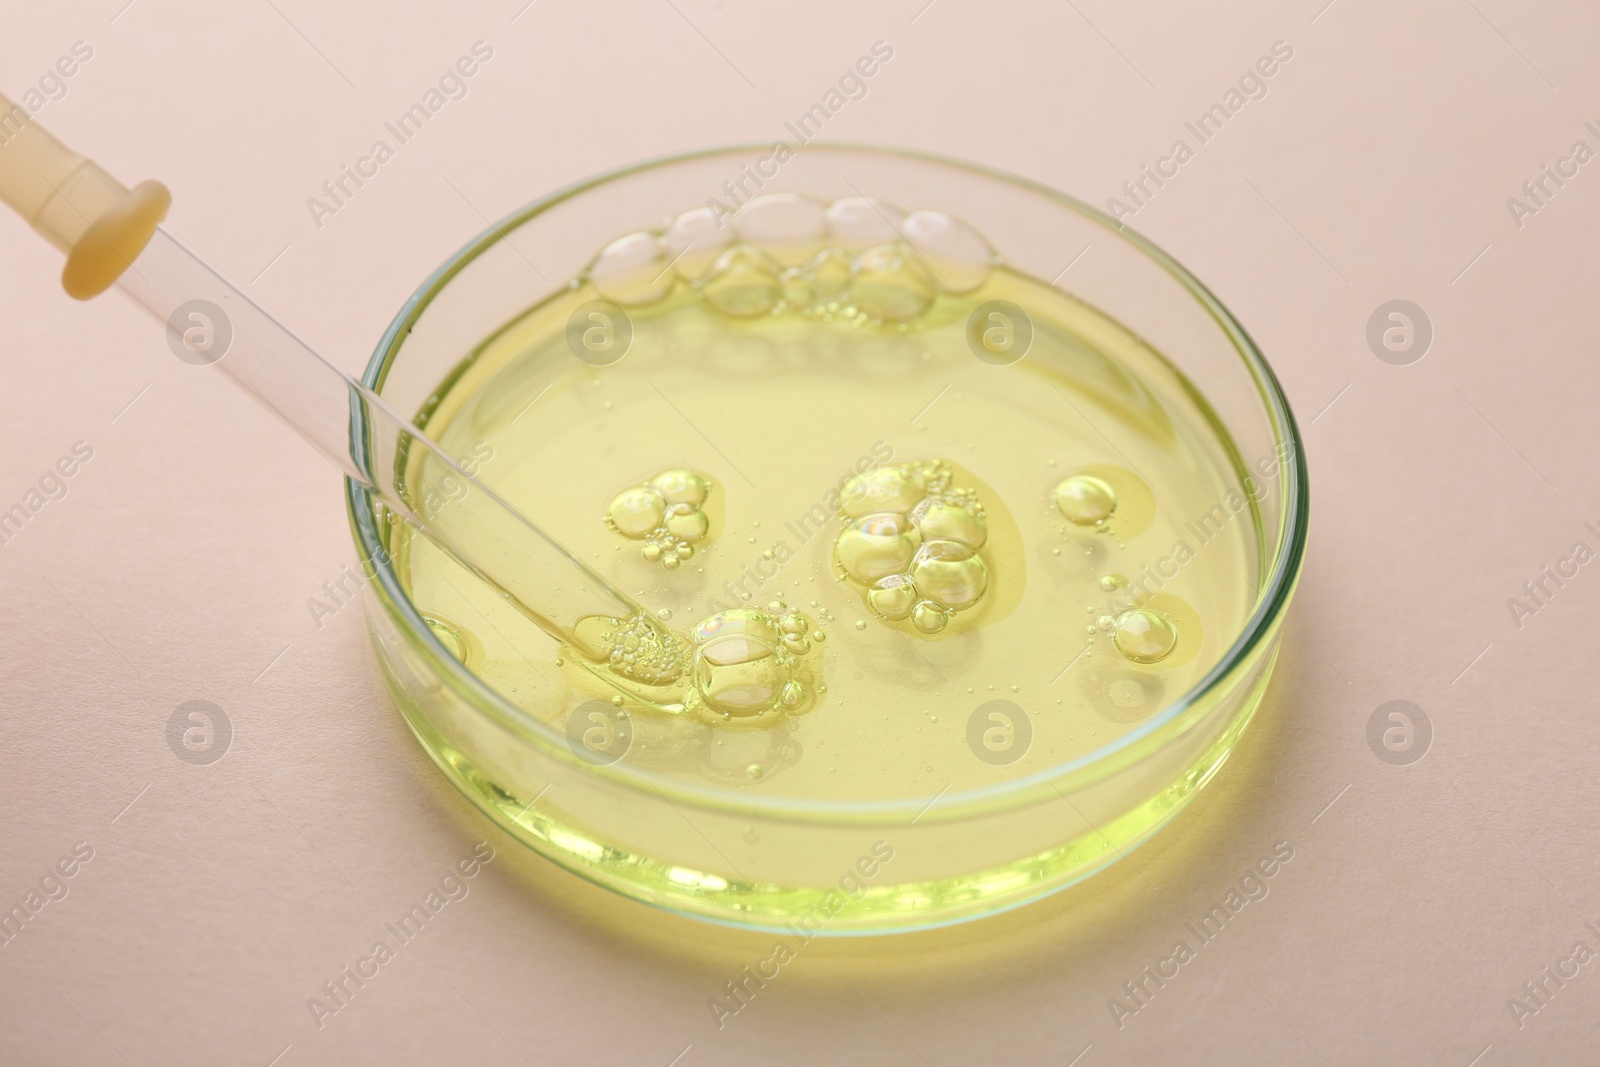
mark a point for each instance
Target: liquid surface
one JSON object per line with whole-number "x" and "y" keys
{"x": 924, "y": 569}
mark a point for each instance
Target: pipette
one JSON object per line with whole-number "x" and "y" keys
{"x": 112, "y": 235}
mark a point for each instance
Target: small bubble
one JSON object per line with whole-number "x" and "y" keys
{"x": 664, "y": 614}
{"x": 861, "y": 624}
{"x": 754, "y": 771}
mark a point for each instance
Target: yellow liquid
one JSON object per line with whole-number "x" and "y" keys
{"x": 776, "y": 413}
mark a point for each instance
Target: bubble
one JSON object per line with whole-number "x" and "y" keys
{"x": 942, "y": 521}
{"x": 961, "y": 258}
{"x": 929, "y": 617}
{"x": 1145, "y": 636}
{"x": 891, "y": 284}
{"x": 687, "y": 522}
{"x": 1113, "y": 582}
{"x": 1085, "y": 500}
{"x": 830, "y": 271}
{"x": 887, "y": 489}
{"x": 736, "y": 667}
{"x": 877, "y": 546}
{"x": 754, "y": 771}
{"x": 631, "y": 270}
{"x": 893, "y": 597}
{"x": 1105, "y": 622}
{"x": 744, "y": 282}
{"x": 635, "y": 512}
{"x": 694, "y": 240}
{"x": 789, "y": 227}
{"x": 861, "y": 624}
{"x": 949, "y": 574}
{"x": 680, "y": 487}
{"x": 799, "y": 288}
{"x": 857, "y": 223}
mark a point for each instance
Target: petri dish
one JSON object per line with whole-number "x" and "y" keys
{"x": 978, "y": 514}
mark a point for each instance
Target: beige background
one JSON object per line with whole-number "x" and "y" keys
{"x": 179, "y": 565}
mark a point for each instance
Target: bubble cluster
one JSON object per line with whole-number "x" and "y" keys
{"x": 752, "y": 665}
{"x": 911, "y": 542}
{"x": 857, "y": 259}
{"x": 641, "y": 651}
{"x": 665, "y": 513}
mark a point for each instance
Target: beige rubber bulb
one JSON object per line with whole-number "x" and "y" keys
{"x": 99, "y": 223}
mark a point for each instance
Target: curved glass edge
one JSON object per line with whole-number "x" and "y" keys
{"x": 1272, "y": 599}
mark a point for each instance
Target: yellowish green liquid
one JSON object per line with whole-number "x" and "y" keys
{"x": 1089, "y": 620}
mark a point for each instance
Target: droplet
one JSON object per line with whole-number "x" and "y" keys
{"x": 1112, "y": 582}
{"x": 1145, "y": 636}
{"x": 631, "y": 270}
{"x": 736, "y": 665}
{"x": 694, "y": 240}
{"x": 1085, "y": 500}
{"x": 929, "y": 617}
{"x": 960, "y": 257}
{"x": 861, "y": 624}
{"x": 941, "y": 521}
{"x": 893, "y": 597}
{"x": 744, "y": 282}
{"x": 754, "y": 771}
{"x": 950, "y": 574}
{"x": 891, "y": 284}
{"x": 886, "y": 489}
{"x": 857, "y": 223}
{"x": 687, "y": 522}
{"x": 635, "y": 512}
{"x": 679, "y": 486}
{"x": 877, "y": 546}
{"x": 787, "y": 226}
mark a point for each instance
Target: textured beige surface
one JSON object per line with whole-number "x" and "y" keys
{"x": 179, "y": 563}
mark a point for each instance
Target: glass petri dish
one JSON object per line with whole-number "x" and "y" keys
{"x": 1128, "y": 452}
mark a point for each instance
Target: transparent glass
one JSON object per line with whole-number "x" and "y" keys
{"x": 727, "y": 854}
